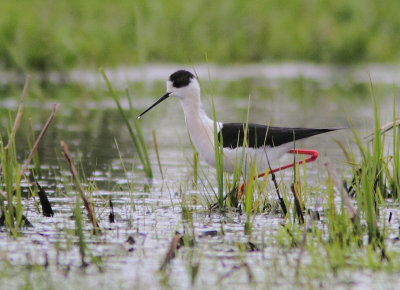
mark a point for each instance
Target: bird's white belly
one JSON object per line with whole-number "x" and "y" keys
{"x": 233, "y": 157}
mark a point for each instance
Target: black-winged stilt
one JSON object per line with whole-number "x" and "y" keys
{"x": 264, "y": 143}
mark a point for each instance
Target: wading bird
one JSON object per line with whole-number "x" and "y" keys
{"x": 250, "y": 142}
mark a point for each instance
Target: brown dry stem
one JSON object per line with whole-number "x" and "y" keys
{"x": 78, "y": 184}
{"x": 37, "y": 142}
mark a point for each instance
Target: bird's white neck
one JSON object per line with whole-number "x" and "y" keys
{"x": 200, "y": 127}
{"x": 196, "y": 118}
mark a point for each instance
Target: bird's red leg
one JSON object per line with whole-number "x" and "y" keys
{"x": 313, "y": 155}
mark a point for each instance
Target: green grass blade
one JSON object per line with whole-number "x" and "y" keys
{"x": 219, "y": 166}
{"x": 137, "y": 140}
{"x": 139, "y": 133}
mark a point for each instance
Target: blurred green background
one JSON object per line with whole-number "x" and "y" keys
{"x": 56, "y": 35}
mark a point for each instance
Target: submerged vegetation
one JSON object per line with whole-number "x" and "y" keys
{"x": 48, "y": 35}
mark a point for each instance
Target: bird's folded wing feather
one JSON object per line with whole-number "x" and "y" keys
{"x": 232, "y": 134}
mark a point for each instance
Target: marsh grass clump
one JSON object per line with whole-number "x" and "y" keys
{"x": 11, "y": 213}
{"x": 10, "y": 199}
{"x": 352, "y": 233}
{"x": 375, "y": 177}
{"x": 11, "y": 172}
{"x": 227, "y": 194}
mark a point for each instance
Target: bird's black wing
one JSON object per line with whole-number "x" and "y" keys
{"x": 232, "y": 134}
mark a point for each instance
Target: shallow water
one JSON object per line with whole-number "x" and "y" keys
{"x": 152, "y": 217}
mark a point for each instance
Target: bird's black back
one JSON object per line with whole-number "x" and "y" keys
{"x": 232, "y": 135}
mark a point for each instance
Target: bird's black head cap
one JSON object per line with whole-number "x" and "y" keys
{"x": 181, "y": 78}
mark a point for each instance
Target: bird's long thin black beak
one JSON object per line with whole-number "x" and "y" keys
{"x": 165, "y": 96}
